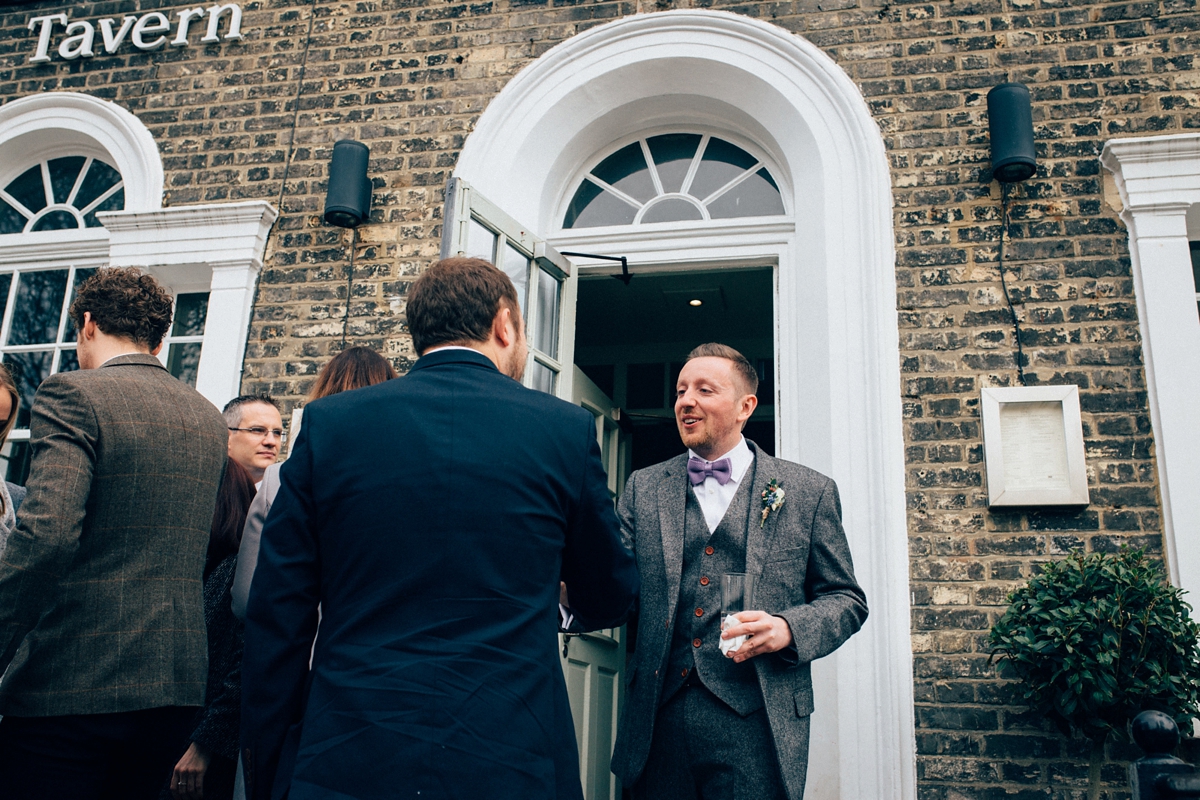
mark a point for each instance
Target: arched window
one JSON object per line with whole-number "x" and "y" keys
{"x": 674, "y": 177}
{"x": 59, "y": 194}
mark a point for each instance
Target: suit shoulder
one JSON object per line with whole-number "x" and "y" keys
{"x": 658, "y": 471}
{"x": 797, "y": 473}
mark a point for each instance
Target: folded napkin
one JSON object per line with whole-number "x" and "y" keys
{"x": 728, "y": 645}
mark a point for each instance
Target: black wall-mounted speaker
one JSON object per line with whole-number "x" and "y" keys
{"x": 348, "y": 199}
{"x": 1010, "y": 121}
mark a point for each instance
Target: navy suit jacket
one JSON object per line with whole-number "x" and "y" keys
{"x": 431, "y": 517}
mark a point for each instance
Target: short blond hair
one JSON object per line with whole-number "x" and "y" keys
{"x": 742, "y": 367}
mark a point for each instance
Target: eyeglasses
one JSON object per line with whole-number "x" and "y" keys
{"x": 262, "y": 433}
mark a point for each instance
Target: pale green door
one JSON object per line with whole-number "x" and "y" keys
{"x": 594, "y": 663}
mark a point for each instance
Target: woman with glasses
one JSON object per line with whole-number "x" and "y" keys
{"x": 11, "y": 494}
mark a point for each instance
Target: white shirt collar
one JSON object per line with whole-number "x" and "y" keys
{"x": 449, "y": 347}
{"x": 740, "y": 459}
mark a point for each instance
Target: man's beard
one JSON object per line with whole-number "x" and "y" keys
{"x": 515, "y": 368}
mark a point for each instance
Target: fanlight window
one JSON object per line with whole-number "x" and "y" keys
{"x": 59, "y": 194}
{"x": 674, "y": 177}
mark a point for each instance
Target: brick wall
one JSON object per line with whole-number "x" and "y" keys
{"x": 257, "y": 119}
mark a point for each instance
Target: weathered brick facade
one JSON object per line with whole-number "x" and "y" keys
{"x": 257, "y": 119}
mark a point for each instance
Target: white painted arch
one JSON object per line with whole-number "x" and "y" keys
{"x": 53, "y": 124}
{"x": 836, "y": 326}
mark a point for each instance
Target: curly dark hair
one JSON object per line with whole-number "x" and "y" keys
{"x": 127, "y": 303}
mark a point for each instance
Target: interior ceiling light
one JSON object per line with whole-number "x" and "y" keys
{"x": 695, "y": 302}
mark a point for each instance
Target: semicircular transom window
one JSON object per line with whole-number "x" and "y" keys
{"x": 674, "y": 177}
{"x": 59, "y": 194}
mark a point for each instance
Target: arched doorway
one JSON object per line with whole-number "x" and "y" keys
{"x": 834, "y": 316}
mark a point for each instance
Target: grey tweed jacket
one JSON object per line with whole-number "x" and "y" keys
{"x": 801, "y": 563}
{"x": 101, "y": 602}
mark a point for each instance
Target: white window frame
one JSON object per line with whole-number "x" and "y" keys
{"x": 763, "y": 159}
{"x": 215, "y": 248}
{"x": 1157, "y": 181}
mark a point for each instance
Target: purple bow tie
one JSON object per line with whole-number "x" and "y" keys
{"x": 699, "y": 469}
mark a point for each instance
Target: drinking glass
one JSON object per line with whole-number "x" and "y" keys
{"x": 737, "y": 594}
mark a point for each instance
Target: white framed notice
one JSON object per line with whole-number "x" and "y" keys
{"x": 1033, "y": 446}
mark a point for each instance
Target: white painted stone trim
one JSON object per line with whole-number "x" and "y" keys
{"x": 216, "y": 248}
{"x": 1159, "y": 179}
{"x": 53, "y": 124}
{"x": 836, "y": 323}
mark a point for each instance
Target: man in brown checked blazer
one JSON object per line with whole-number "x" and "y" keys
{"x": 101, "y": 612}
{"x": 698, "y": 723}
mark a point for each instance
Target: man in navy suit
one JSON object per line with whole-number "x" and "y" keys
{"x": 431, "y": 518}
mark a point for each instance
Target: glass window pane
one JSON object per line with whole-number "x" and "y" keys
{"x": 722, "y": 162}
{"x": 673, "y": 209}
{"x": 115, "y": 202}
{"x": 190, "y": 312}
{"x": 14, "y": 461}
{"x": 39, "y": 306}
{"x": 1195, "y": 263}
{"x": 56, "y": 221}
{"x": 584, "y": 195}
{"x": 481, "y": 242}
{"x": 5, "y": 285}
{"x": 757, "y": 196}
{"x": 542, "y": 377}
{"x": 28, "y": 190}
{"x": 673, "y": 153}
{"x": 81, "y": 275}
{"x": 28, "y": 371}
{"x": 516, "y": 267}
{"x": 99, "y": 179}
{"x": 626, "y": 170}
{"x": 183, "y": 361}
{"x": 68, "y": 361}
{"x": 547, "y": 333}
{"x": 11, "y": 220}
{"x": 63, "y": 174}
{"x": 605, "y": 208}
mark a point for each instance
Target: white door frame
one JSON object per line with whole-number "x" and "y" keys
{"x": 837, "y": 340}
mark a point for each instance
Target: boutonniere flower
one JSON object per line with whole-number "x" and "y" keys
{"x": 772, "y": 500}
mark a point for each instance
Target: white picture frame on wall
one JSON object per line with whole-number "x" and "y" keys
{"x": 1033, "y": 446}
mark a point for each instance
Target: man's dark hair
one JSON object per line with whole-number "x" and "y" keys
{"x": 233, "y": 409}
{"x": 742, "y": 368}
{"x": 127, "y": 303}
{"x": 455, "y": 301}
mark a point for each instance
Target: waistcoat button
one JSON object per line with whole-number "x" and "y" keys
{"x": 695, "y": 642}
{"x": 708, "y": 551}
{"x": 699, "y": 612}
{"x": 704, "y": 581}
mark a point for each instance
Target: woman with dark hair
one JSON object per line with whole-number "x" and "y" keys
{"x": 208, "y": 767}
{"x": 353, "y": 368}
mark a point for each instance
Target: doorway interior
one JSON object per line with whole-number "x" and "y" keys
{"x": 631, "y": 340}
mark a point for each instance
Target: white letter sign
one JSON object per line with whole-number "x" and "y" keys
{"x": 80, "y": 38}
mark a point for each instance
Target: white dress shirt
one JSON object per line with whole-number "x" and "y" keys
{"x": 714, "y": 498}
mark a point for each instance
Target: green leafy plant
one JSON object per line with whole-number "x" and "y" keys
{"x": 1097, "y": 638}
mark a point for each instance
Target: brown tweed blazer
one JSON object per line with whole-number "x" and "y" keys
{"x": 101, "y": 601}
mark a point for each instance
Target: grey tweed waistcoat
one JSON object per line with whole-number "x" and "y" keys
{"x": 736, "y": 685}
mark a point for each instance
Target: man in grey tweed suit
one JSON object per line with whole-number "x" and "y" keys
{"x": 101, "y": 605}
{"x": 696, "y": 723}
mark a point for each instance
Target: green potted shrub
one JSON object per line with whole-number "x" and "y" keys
{"x": 1095, "y": 639}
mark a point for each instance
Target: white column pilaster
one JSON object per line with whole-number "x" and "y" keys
{"x": 1159, "y": 179}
